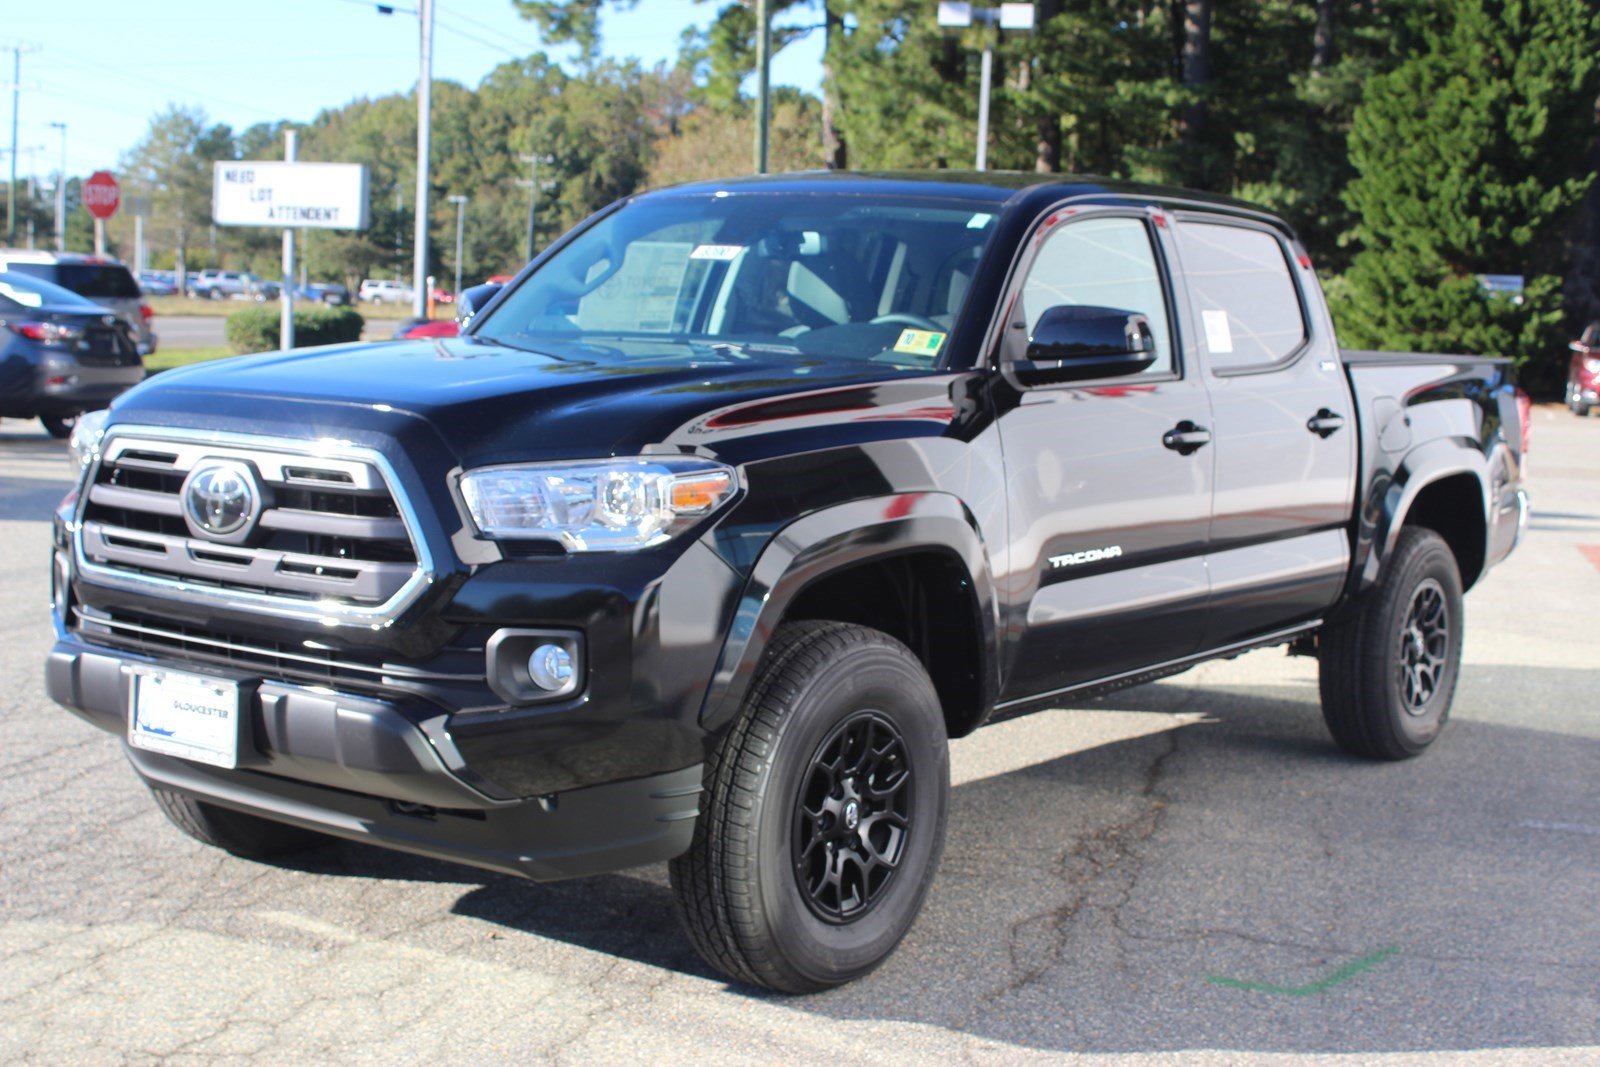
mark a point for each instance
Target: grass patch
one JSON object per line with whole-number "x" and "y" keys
{"x": 181, "y": 305}
{"x": 166, "y": 359}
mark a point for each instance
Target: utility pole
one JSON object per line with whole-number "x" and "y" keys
{"x": 461, "y": 211}
{"x": 286, "y": 294}
{"x": 16, "y": 104}
{"x": 61, "y": 191}
{"x": 763, "y": 83}
{"x": 419, "y": 266}
{"x": 533, "y": 197}
{"x": 533, "y": 203}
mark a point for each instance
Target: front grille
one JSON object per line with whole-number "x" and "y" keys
{"x": 329, "y": 539}
{"x": 304, "y": 662}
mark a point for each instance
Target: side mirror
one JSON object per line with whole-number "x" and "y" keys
{"x": 1577, "y": 346}
{"x": 471, "y": 301}
{"x": 1072, "y": 343}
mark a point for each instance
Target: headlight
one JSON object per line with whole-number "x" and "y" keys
{"x": 607, "y": 506}
{"x": 1592, "y": 365}
{"x": 84, "y": 444}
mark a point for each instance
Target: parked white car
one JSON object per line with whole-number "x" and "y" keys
{"x": 377, "y": 291}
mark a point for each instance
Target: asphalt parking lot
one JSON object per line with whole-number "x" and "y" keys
{"x": 1188, "y": 870}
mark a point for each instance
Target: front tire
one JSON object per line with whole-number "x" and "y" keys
{"x": 58, "y": 426}
{"x": 823, "y": 814}
{"x": 1388, "y": 672}
{"x": 248, "y": 836}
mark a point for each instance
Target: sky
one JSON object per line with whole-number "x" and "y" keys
{"x": 104, "y": 67}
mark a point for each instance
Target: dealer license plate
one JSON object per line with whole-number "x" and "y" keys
{"x": 186, "y": 715}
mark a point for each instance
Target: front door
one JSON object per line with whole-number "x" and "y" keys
{"x": 1108, "y": 482}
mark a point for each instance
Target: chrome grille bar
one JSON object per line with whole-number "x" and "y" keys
{"x": 336, "y": 542}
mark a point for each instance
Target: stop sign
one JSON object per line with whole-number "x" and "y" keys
{"x": 101, "y": 194}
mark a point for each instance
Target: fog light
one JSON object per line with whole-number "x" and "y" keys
{"x": 550, "y": 666}
{"x": 535, "y": 666}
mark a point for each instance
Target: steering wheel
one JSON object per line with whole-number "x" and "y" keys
{"x": 906, "y": 318}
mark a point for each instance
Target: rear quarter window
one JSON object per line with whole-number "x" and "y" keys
{"x": 94, "y": 280}
{"x": 1242, "y": 293}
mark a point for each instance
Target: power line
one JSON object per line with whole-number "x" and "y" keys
{"x": 494, "y": 29}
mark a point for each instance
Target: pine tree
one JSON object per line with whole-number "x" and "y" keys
{"x": 1471, "y": 157}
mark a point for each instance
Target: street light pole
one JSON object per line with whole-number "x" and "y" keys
{"x": 61, "y": 191}
{"x": 419, "y": 251}
{"x": 960, "y": 15}
{"x": 985, "y": 76}
{"x": 461, "y": 211}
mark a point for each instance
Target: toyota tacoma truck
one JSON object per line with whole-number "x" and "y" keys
{"x": 729, "y": 511}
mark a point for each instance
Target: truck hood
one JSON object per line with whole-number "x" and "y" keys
{"x": 490, "y": 403}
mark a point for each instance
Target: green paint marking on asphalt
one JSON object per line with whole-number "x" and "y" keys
{"x": 1345, "y": 973}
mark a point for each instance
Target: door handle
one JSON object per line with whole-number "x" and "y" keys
{"x": 1186, "y": 437}
{"x": 1325, "y": 423}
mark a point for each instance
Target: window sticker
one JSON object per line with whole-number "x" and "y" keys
{"x": 719, "y": 253}
{"x": 920, "y": 342}
{"x": 1219, "y": 338}
{"x": 979, "y": 221}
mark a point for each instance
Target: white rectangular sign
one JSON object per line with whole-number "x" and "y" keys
{"x": 327, "y": 196}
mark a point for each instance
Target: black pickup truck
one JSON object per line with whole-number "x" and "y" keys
{"x": 735, "y": 505}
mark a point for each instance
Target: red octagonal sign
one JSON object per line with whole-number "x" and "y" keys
{"x": 101, "y": 194}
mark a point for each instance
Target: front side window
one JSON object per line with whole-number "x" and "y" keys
{"x": 1101, "y": 262}
{"x": 754, "y": 276}
{"x": 1242, "y": 294}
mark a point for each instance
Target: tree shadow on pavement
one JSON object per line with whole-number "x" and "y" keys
{"x": 1104, "y": 901}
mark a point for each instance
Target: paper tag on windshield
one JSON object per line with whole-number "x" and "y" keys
{"x": 919, "y": 342}
{"x": 1219, "y": 338}
{"x": 720, "y": 253}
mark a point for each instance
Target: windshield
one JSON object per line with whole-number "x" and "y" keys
{"x": 830, "y": 275}
{"x": 19, "y": 292}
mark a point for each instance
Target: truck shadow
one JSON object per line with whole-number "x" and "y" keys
{"x": 1088, "y": 902}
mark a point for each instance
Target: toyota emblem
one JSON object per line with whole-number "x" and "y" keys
{"x": 221, "y": 500}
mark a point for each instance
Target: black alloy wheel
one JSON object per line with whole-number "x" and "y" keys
{"x": 1424, "y": 648}
{"x": 853, "y": 818}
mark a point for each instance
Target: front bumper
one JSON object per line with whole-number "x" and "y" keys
{"x": 363, "y": 769}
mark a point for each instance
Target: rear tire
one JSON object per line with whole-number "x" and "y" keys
{"x": 823, "y": 813}
{"x": 1388, "y": 671}
{"x": 243, "y": 835}
{"x": 58, "y": 426}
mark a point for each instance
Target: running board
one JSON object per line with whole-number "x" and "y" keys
{"x": 1011, "y": 709}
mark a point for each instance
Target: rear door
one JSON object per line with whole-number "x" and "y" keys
{"x": 1285, "y": 428}
{"x": 1108, "y": 517}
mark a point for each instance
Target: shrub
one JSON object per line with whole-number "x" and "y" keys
{"x": 255, "y": 329}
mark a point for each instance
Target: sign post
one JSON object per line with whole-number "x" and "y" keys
{"x": 286, "y": 294}
{"x": 102, "y": 196}
{"x": 290, "y": 195}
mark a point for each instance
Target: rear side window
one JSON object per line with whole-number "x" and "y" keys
{"x": 1242, "y": 293}
{"x": 94, "y": 280}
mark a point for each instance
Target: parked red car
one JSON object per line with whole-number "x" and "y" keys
{"x": 1583, "y": 375}
{"x": 411, "y": 329}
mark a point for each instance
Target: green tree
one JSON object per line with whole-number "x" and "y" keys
{"x": 1471, "y": 157}
{"x": 172, "y": 167}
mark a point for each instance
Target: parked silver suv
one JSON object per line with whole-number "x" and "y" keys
{"x": 105, "y": 281}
